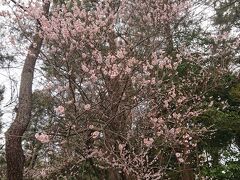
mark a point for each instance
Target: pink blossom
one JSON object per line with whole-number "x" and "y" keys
{"x": 84, "y": 55}
{"x": 153, "y": 80}
{"x": 172, "y": 131}
{"x": 181, "y": 160}
{"x": 95, "y": 134}
{"x": 128, "y": 70}
{"x": 87, "y": 107}
{"x": 60, "y": 110}
{"x": 165, "y": 104}
{"x": 178, "y": 155}
{"x": 99, "y": 58}
{"x": 120, "y": 55}
{"x": 91, "y": 126}
{"x": 113, "y": 74}
{"x": 121, "y": 146}
{"x": 43, "y": 138}
{"x": 93, "y": 77}
{"x": 154, "y": 120}
{"x": 148, "y": 141}
{"x": 85, "y": 68}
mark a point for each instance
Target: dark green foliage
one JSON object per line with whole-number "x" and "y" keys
{"x": 235, "y": 93}
{"x": 228, "y": 171}
{"x": 221, "y": 145}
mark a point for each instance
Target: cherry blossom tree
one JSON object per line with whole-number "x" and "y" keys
{"x": 126, "y": 91}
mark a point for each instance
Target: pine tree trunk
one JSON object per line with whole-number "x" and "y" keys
{"x": 14, "y": 152}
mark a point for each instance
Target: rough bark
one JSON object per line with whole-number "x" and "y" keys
{"x": 14, "y": 152}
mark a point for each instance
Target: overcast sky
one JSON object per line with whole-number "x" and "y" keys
{"x": 7, "y": 75}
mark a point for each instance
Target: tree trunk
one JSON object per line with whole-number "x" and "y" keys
{"x": 14, "y": 151}
{"x": 187, "y": 172}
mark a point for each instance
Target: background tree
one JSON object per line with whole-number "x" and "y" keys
{"x": 14, "y": 153}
